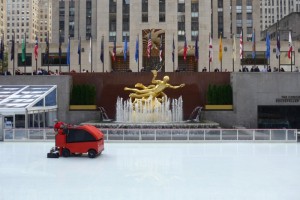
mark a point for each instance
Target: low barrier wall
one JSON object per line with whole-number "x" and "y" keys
{"x": 167, "y": 135}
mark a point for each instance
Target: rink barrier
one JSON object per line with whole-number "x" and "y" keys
{"x": 168, "y": 135}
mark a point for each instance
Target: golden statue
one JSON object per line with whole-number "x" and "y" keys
{"x": 142, "y": 92}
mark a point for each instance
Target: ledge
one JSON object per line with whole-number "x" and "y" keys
{"x": 218, "y": 107}
{"x": 83, "y": 107}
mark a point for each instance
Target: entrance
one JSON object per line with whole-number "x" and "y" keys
{"x": 6, "y": 122}
{"x": 279, "y": 117}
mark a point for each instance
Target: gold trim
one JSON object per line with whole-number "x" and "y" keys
{"x": 218, "y": 107}
{"x": 83, "y": 107}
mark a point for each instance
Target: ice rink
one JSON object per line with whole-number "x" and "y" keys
{"x": 153, "y": 171}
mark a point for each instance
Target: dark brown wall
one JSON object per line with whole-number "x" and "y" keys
{"x": 111, "y": 85}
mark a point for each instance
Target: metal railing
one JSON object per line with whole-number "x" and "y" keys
{"x": 207, "y": 135}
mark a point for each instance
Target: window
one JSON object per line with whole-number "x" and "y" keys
{"x": 126, "y": 19}
{"x": 144, "y": 10}
{"x": 162, "y": 10}
{"x": 112, "y": 20}
{"x": 78, "y": 135}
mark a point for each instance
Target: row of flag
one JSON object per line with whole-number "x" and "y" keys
{"x": 149, "y": 47}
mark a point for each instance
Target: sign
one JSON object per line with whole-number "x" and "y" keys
{"x": 288, "y": 99}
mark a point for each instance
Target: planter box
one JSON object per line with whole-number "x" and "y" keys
{"x": 83, "y": 107}
{"x": 218, "y": 107}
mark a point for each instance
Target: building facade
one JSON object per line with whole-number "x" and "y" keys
{"x": 22, "y": 17}
{"x": 3, "y": 18}
{"x": 111, "y": 31}
{"x": 274, "y": 10}
{"x": 232, "y": 16}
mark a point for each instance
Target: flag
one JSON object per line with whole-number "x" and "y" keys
{"x": 210, "y": 49}
{"x": 234, "y": 48}
{"x": 2, "y": 48}
{"x": 220, "y": 49}
{"x": 79, "y": 51}
{"x": 46, "y": 56}
{"x": 161, "y": 49}
{"x": 114, "y": 51}
{"x": 24, "y": 49}
{"x": 102, "y": 50}
{"x": 278, "y": 46}
{"x": 173, "y": 50}
{"x": 241, "y": 46}
{"x": 268, "y": 46}
{"x": 90, "y": 54}
{"x": 196, "y": 49}
{"x": 36, "y": 48}
{"x": 184, "y": 48}
{"x": 12, "y": 51}
{"x": 125, "y": 49}
{"x": 137, "y": 49}
{"x": 290, "y": 46}
{"x": 253, "y": 44}
{"x": 149, "y": 46}
{"x": 68, "y": 52}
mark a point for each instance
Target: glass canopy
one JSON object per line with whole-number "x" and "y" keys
{"x": 27, "y": 98}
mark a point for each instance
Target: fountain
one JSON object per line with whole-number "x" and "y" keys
{"x": 148, "y": 107}
{"x": 143, "y": 111}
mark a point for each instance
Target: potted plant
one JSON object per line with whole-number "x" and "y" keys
{"x": 83, "y": 97}
{"x": 219, "y": 97}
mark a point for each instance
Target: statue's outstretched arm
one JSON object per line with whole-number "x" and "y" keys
{"x": 176, "y": 87}
{"x": 154, "y": 72}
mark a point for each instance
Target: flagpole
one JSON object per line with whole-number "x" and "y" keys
{"x": 2, "y": 52}
{"x": 60, "y": 52}
{"x": 291, "y": 52}
{"x": 233, "y": 38}
{"x": 14, "y": 53}
{"x": 138, "y": 59}
{"x": 209, "y": 52}
{"x": 173, "y": 53}
{"x": 80, "y": 55}
{"x": 48, "y": 50}
{"x": 102, "y": 43}
{"x": 91, "y": 55}
{"x": 25, "y": 55}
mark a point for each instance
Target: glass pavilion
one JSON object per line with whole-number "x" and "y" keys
{"x": 27, "y": 106}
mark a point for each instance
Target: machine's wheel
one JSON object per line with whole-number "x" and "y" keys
{"x": 65, "y": 152}
{"x": 92, "y": 153}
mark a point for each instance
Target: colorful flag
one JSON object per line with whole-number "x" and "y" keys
{"x": 114, "y": 51}
{"x": 137, "y": 49}
{"x": 24, "y": 48}
{"x": 196, "y": 49}
{"x": 149, "y": 46}
{"x": 36, "y": 48}
{"x": 210, "y": 49}
{"x": 79, "y": 51}
{"x": 241, "y": 46}
{"x": 290, "y": 46}
{"x": 46, "y": 56}
{"x": 68, "y": 52}
{"x": 184, "y": 48}
{"x": 173, "y": 50}
{"x": 268, "y": 46}
{"x": 12, "y": 51}
{"x": 161, "y": 49}
{"x": 90, "y": 53}
{"x": 2, "y": 48}
{"x": 278, "y": 46}
{"x": 253, "y": 44}
{"x": 102, "y": 50}
{"x": 233, "y": 48}
{"x": 220, "y": 49}
{"x": 125, "y": 49}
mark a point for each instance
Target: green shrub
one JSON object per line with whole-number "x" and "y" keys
{"x": 83, "y": 95}
{"x": 219, "y": 95}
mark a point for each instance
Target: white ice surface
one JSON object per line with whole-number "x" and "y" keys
{"x": 153, "y": 171}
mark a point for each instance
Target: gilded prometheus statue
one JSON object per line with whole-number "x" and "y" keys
{"x": 142, "y": 92}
